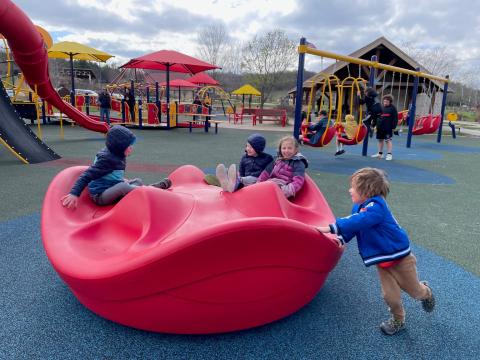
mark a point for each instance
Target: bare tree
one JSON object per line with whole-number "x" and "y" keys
{"x": 266, "y": 58}
{"x": 212, "y": 41}
{"x": 438, "y": 60}
{"x": 231, "y": 58}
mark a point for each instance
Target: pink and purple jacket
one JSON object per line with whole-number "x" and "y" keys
{"x": 288, "y": 174}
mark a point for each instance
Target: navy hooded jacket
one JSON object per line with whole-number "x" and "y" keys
{"x": 109, "y": 166}
{"x": 254, "y": 165}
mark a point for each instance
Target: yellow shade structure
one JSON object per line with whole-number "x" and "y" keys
{"x": 76, "y": 51}
{"x": 68, "y": 49}
{"x": 247, "y": 89}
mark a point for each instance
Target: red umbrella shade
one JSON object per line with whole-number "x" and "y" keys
{"x": 202, "y": 78}
{"x": 180, "y": 83}
{"x": 170, "y": 60}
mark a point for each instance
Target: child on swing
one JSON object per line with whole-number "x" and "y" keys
{"x": 347, "y": 131}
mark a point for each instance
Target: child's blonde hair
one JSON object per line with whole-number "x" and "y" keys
{"x": 369, "y": 182}
{"x": 349, "y": 118}
{"x": 285, "y": 139}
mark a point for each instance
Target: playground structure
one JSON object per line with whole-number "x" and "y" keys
{"x": 218, "y": 262}
{"x": 337, "y": 96}
{"x": 370, "y": 67}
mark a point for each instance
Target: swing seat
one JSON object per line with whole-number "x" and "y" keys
{"x": 428, "y": 124}
{"x": 192, "y": 259}
{"x": 324, "y": 140}
{"x": 362, "y": 132}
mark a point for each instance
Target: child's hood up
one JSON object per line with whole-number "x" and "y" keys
{"x": 119, "y": 138}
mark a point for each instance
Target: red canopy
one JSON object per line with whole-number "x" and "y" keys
{"x": 203, "y": 78}
{"x": 180, "y": 83}
{"x": 170, "y": 60}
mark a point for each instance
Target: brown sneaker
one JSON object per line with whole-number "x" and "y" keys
{"x": 392, "y": 326}
{"x": 428, "y": 304}
{"x": 163, "y": 184}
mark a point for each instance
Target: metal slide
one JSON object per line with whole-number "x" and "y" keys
{"x": 31, "y": 56}
{"x": 17, "y": 136}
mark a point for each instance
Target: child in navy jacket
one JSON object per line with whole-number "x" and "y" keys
{"x": 104, "y": 177}
{"x": 382, "y": 242}
{"x": 252, "y": 163}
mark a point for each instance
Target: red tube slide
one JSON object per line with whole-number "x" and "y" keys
{"x": 31, "y": 56}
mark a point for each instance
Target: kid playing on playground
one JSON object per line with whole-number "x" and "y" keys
{"x": 104, "y": 177}
{"x": 288, "y": 169}
{"x": 347, "y": 131}
{"x": 374, "y": 109}
{"x": 316, "y": 130}
{"x": 385, "y": 126}
{"x": 253, "y": 162}
{"x": 382, "y": 242}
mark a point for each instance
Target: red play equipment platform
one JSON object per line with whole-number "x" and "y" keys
{"x": 192, "y": 259}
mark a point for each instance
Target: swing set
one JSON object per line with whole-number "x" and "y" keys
{"x": 345, "y": 93}
{"x": 427, "y": 124}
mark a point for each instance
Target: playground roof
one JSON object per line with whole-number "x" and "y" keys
{"x": 376, "y": 46}
{"x": 247, "y": 89}
{"x": 170, "y": 60}
{"x": 65, "y": 49}
{"x": 180, "y": 83}
{"x": 203, "y": 78}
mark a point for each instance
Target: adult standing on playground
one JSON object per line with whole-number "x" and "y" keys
{"x": 130, "y": 100}
{"x": 105, "y": 105}
{"x": 385, "y": 126}
{"x": 374, "y": 109}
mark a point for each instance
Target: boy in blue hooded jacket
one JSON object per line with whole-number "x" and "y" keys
{"x": 382, "y": 242}
{"x": 104, "y": 177}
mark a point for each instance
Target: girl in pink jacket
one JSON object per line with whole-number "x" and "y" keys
{"x": 288, "y": 169}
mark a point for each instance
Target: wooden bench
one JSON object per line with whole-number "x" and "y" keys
{"x": 204, "y": 124}
{"x": 270, "y": 115}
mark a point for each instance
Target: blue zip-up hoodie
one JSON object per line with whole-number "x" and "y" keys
{"x": 108, "y": 168}
{"x": 379, "y": 236}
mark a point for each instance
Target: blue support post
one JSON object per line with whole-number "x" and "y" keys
{"x": 299, "y": 93}
{"x": 157, "y": 101}
{"x": 123, "y": 111}
{"x": 87, "y": 104}
{"x": 371, "y": 83}
{"x": 168, "y": 96}
{"x": 132, "y": 92}
{"x": 140, "y": 115}
{"x": 44, "y": 118}
{"x": 444, "y": 103}
{"x": 148, "y": 94}
{"x": 411, "y": 112}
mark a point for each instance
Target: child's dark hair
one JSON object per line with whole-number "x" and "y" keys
{"x": 369, "y": 182}
{"x": 322, "y": 112}
{"x": 284, "y": 139}
{"x": 388, "y": 97}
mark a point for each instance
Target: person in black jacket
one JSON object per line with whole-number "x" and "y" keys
{"x": 130, "y": 100}
{"x": 386, "y": 123}
{"x": 317, "y": 129}
{"x": 104, "y": 178}
{"x": 374, "y": 109}
{"x": 253, "y": 162}
{"x": 104, "y": 102}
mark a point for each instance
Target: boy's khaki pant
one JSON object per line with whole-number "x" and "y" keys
{"x": 402, "y": 276}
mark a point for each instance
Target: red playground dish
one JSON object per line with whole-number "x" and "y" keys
{"x": 192, "y": 259}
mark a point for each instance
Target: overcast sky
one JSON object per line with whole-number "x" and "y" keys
{"x": 129, "y": 28}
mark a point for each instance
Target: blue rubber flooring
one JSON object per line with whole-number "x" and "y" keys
{"x": 41, "y": 319}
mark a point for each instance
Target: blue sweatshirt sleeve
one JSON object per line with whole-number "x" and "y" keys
{"x": 361, "y": 219}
